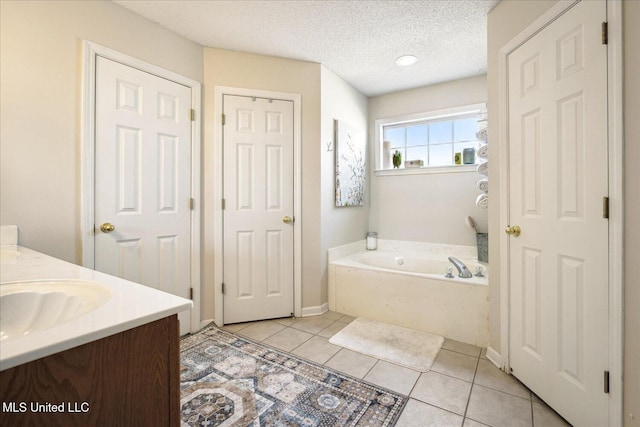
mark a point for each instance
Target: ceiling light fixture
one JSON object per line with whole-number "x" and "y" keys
{"x": 406, "y": 60}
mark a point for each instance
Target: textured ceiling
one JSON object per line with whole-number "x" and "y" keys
{"x": 358, "y": 40}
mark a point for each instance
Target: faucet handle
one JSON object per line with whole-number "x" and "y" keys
{"x": 449, "y": 274}
{"x": 479, "y": 271}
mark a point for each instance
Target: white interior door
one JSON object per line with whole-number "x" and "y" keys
{"x": 558, "y": 178}
{"x": 258, "y": 210}
{"x": 142, "y": 179}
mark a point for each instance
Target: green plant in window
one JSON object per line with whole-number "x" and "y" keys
{"x": 397, "y": 159}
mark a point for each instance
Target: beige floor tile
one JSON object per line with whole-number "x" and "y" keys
{"x": 316, "y": 349}
{"x": 471, "y": 423}
{"x": 332, "y": 315}
{"x": 543, "y": 415}
{"x": 498, "y": 409}
{"x": 419, "y": 414}
{"x": 235, "y": 327}
{"x": 286, "y": 321}
{"x": 392, "y": 377}
{"x": 351, "y": 363}
{"x": 442, "y": 391}
{"x": 456, "y": 365}
{"x": 332, "y": 329}
{"x": 461, "y": 347}
{"x": 346, "y": 318}
{"x": 489, "y": 376}
{"x": 313, "y": 324}
{"x": 288, "y": 339}
{"x": 260, "y": 331}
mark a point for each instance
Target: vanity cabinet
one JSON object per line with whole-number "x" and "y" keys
{"x": 131, "y": 378}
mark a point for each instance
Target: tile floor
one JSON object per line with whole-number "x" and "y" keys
{"x": 463, "y": 388}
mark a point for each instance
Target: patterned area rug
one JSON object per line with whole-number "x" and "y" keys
{"x": 227, "y": 380}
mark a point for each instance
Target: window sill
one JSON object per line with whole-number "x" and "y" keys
{"x": 427, "y": 170}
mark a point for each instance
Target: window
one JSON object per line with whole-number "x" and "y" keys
{"x": 433, "y": 138}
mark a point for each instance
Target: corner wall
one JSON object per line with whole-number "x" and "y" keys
{"x": 339, "y": 226}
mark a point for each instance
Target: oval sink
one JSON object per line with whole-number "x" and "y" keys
{"x": 34, "y": 306}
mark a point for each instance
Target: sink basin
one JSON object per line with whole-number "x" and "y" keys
{"x": 32, "y": 306}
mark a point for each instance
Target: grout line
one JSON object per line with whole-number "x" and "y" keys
{"x": 473, "y": 384}
{"x": 371, "y": 369}
{"x": 532, "y": 418}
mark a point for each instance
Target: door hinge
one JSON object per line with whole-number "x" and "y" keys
{"x": 193, "y": 115}
{"x": 605, "y": 207}
{"x": 192, "y": 203}
{"x": 605, "y": 33}
{"x": 190, "y": 293}
{"x": 223, "y": 204}
{"x": 223, "y": 287}
{"x": 224, "y": 120}
{"x": 606, "y": 381}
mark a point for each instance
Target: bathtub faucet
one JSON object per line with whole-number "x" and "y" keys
{"x": 463, "y": 271}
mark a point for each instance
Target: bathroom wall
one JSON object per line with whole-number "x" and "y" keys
{"x": 339, "y": 226}
{"x": 244, "y": 70}
{"x": 429, "y": 207}
{"x": 505, "y": 21}
{"x": 40, "y": 103}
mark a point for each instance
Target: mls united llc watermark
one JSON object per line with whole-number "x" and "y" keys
{"x": 46, "y": 407}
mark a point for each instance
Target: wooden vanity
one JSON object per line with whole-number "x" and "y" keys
{"x": 131, "y": 378}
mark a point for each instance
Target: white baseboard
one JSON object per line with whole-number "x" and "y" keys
{"x": 306, "y": 312}
{"x": 315, "y": 311}
{"x": 495, "y": 358}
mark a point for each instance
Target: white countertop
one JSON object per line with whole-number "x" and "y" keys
{"x": 130, "y": 305}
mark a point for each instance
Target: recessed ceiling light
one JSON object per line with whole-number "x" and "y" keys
{"x": 406, "y": 60}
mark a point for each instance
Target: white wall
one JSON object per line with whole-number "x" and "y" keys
{"x": 40, "y": 103}
{"x": 430, "y": 207}
{"x": 340, "y": 101}
{"x": 244, "y": 70}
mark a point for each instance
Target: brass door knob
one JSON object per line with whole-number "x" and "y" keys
{"x": 107, "y": 227}
{"x": 514, "y": 231}
{"x": 287, "y": 219}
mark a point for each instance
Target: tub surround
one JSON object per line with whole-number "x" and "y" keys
{"x": 454, "y": 308}
{"x": 131, "y": 305}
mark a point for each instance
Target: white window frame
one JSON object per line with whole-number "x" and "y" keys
{"x": 418, "y": 117}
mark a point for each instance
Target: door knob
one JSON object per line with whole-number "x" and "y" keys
{"x": 107, "y": 227}
{"x": 515, "y": 230}
{"x": 287, "y": 219}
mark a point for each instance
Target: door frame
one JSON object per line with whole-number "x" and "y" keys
{"x": 90, "y": 52}
{"x": 616, "y": 169}
{"x": 218, "y": 192}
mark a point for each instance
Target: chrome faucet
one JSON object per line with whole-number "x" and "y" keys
{"x": 463, "y": 271}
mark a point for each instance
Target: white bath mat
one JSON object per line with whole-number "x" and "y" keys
{"x": 407, "y": 347}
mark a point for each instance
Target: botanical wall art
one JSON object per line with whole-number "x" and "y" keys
{"x": 350, "y": 165}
